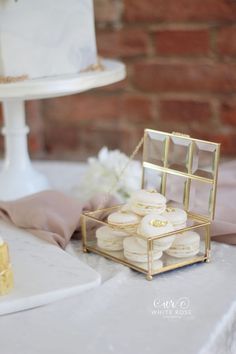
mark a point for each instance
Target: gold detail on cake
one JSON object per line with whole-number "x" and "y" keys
{"x": 158, "y": 223}
{"x": 12, "y": 79}
{"x": 170, "y": 209}
{"x": 98, "y": 66}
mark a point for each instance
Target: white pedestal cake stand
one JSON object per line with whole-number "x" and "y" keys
{"x": 18, "y": 177}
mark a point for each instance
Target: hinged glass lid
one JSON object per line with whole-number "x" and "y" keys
{"x": 183, "y": 169}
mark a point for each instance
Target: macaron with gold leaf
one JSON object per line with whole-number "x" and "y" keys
{"x": 156, "y": 225}
{"x": 176, "y": 216}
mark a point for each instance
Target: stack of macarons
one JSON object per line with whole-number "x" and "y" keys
{"x": 120, "y": 225}
{"x": 146, "y": 215}
{"x": 138, "y": 255}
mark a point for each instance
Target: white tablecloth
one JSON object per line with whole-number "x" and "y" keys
{"x": 127, "y": 313}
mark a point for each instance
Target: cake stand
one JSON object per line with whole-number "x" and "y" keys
{"x": 18, "y": 177}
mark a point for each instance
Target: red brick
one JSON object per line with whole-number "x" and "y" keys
{"x": 61, "y": 137}
{"x": 184, "y": 10}
{"x": 226, "y": 139}
{"x": 35, "y": 122}
{"x": 136, "y": 108}
{"x": 114, "y": 137}
{"x": 228, "y": 112}
{"x": 182, "y": 42}
{"x": 107, "y": 11}
{"x": 226, "y": 42}
{"x": 82, "y": 107}
{"x": 122, "y": 43}
{"x": 185, "y": 77}
{"x": 185, "y": 111}
{"x": 114, "y": 88}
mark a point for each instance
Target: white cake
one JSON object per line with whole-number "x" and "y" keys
{"x": 41, "y": 38}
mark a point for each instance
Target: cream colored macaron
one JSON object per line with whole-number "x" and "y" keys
{"x": 109, "y": 240}
{"x": 144, "y": 202}
{"x": 186, "y": 244}
{"x": 136, "y": 252}
{"x": 177, "y": 217}
{"x": 123, "y": 222}
{"x": 154, "y": 225}
{"x": 126, "y": 208}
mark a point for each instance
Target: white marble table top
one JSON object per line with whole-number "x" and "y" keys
{"x": 127, "y": 314}
{"x": 43, "y": 273}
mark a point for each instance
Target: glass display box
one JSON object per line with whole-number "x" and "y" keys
{"x": 185, "y": 171}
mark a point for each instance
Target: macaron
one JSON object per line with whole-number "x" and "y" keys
{"x": 177, "y": 217}
{"x": 136, "y": 252}
{"x": 109, "y": 240}
{"x": 186, "y": 244}
{"x": 125, "y": 208}
{"x": 144, "y": 202}
{"x": 123, "y": 222}
{"x": 154, "y": 225}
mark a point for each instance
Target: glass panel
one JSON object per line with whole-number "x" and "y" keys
{"x": 200, "y": 198}
{"x": 178, "y": 154}
{"x": 165, "y": 251}
{"x": 175, "y": 186}
{"x": 203, "y": 159}
{"x": 154, "y": 148}
{"x": 152, "y": 179}
{"x": 193, "y": 246}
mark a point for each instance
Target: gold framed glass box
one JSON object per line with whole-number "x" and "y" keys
{"x": 185, "y": 171}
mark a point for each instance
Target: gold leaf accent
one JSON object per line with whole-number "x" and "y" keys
{"x": 12, "y": 79}
{"x": 170, "y": 209}
{"x": 158, "y": 223}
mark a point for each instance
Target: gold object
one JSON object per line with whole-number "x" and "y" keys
{"x": 98, "y": 66}
{"x": 6, "y": 280}
{"x": 174, "y": 160}
{"x": 12, "y": 79}
{"x": 6, "y": 273}
{"x": 4, "y": 257}
{"x": 170, "y": 209}
{"x": 158, "y": 223}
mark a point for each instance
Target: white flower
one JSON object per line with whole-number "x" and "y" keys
{"x": 105, "y": 174}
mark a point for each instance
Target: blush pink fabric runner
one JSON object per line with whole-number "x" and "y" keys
{"x": 55, "y": 217}
{"x": 50, "y": 215}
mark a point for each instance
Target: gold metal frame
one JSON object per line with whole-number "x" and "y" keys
{"x": 201, "y": 221}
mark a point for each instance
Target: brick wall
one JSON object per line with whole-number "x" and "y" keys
{"x": 181, "y": 62}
